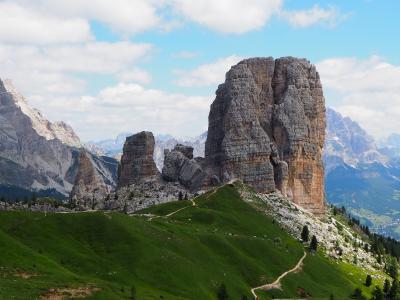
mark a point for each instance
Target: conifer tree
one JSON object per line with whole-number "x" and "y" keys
{"x": 314, "y": 244}
{"x": 305, "y": 234}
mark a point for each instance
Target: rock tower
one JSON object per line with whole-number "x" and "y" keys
{"x": 267, "y": 128}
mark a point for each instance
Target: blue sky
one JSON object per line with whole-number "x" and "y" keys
{"x": 127, "y": 65}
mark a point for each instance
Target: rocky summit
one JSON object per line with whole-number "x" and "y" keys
{"x": 267, "y": 128}
{"x": 137, "y": 164}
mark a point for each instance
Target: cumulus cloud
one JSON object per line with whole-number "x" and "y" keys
{"x": 367, "y": 90}
{"x": 21, "y": 25}
{"x": 135, "y": 75}
{"x": 210, "y": 74}
{"x": 308, "y": 17}
{"x": 54, "y": 68}
{"x": 127, "y": 16}
{"x": 228, "y": 16}
{"x": 129, "y": 107}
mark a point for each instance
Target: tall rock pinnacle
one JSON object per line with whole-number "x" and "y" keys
{"x": 267, "y": 127}
{"x": 137, "y": 164}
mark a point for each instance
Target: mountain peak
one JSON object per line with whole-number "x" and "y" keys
{"x": 43, "y": 127}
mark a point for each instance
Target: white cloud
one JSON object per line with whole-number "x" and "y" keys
{"x": 207, "y": 74}
{"x": 135, "y": 75}
{"x": 367, "y": 90}
{"x": 21, "y": 25}
{"x": 228, "y": 16}
{"x": 127, "y": 16}
{"x": 53, "y": 69}
{"x": 129, "y": 107}
{"x": 308, "y": 17}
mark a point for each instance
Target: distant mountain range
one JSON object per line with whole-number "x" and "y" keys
{"x": 362, "y": 174}
{"x": 113, "y": 147}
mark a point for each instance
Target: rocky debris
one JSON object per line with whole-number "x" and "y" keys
{"x": 338, "y": 241}
{"x": 267, "y": 127}
{"x": 135, "y": 197}
{"x": 137, "y": 164}
{"x": 179, "y": 166}
{"x": 92, "y": 182}
{"x": 37, "y": 207}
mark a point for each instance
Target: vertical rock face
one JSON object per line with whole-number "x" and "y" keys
{"x": 267, "y": 127}
{"x": 137, "y": 164}
{"x": 93, "y": 181}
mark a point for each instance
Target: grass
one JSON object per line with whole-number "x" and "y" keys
{"x": 186, "y": 256}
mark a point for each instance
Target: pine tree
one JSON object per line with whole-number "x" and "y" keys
{"x": 368, "y": 280}
{"x": 377, "y": 294}
{"x": 305, "y": 234}
{"x": 392, "y": 269}
{"x": 133, "y": 293}
{"x": 386, "y": 287}
{"x": 222, "y": 292}
{"x": 394, "y": 290}
{"x": 180, "y": 195}
{"x": 186, "y": 196}
{"x": 358, "y": 295}
{"x": 314, "y": 244}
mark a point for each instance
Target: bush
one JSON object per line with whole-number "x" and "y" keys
{"x": 368, "y": 280}
{"x": 222, "y": 293}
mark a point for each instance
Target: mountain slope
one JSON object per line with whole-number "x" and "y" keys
{"x": 187, "y": 255}
{"x": 35, "y": 154}
{"x": 360, "y": 176}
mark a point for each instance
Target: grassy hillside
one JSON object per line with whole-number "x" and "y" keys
{"x": 185, "y": 256}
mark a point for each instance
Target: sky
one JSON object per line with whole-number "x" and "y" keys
{"x": 107, "y": 67}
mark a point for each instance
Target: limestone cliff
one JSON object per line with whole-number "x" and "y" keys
{"x": 267, "y": 127}
{"x": 137, "y": 164}
{"x": 94, "y": 180}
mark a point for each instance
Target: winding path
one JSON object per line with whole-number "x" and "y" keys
{"x": 191, "y": 200}
{"x": 174, "y": 212}
{"x": 276, "y": 284}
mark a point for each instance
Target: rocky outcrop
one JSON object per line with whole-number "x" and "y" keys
{"x": 137, "y": 164}
{"x": 145, "y": 194}
{"x": 179, "y": 166}
{"x": 267, "y": 128}
{"x": 94, "y": 180}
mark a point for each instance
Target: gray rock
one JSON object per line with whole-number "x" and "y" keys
{"x": 185, "y": 150}
{"x": 267, "y": 128}
{"x": 91, "y": 182}
{"x": 137, "y": 164}
{"x": 178, "y": 166}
